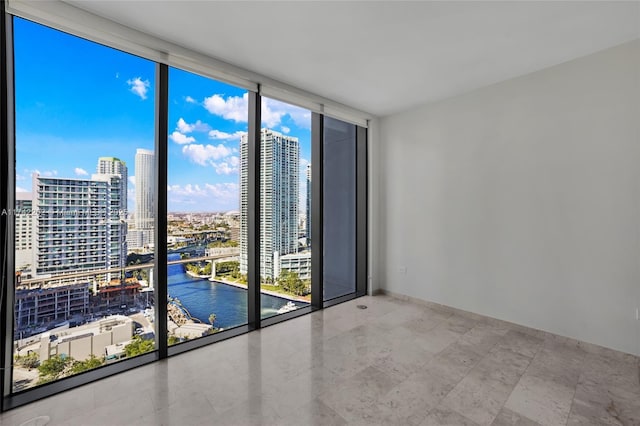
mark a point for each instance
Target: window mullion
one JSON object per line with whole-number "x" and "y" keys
{"x": 253, "y": 219}
{"x": 160, "y": 240}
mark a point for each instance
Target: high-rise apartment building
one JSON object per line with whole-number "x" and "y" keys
{"x": 115, "y": 166}
{"x": 279, "y": 192}
{"x": 75, "y": 228}
{"x": 145, "y": 198}
{"x": 24, "y": 230}
{"x": 114, "y": 171}
{"x": 307, "y": 217}
{"x": 145, "y": 189}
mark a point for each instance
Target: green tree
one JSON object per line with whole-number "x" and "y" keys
{"x": 53, "y": 367}
{"x": 27, "y": 361}
{"x": 139, "y": 346}
{"x": 227, "y": 243}
{"x": 207, "y": 269}
{"x": 228, "y": 267}
{"x": 212, "y": 319}
{"x": 291, "y": 282}
{"x": 89, "y": 364}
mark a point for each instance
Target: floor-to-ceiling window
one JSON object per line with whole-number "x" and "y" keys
{"x": 285, "y": 244}
{"x": 339, "y": 208}
{"x": 84, "y": 144}
{"x": 207, "y": 292}
{"x": 109, "y": 268}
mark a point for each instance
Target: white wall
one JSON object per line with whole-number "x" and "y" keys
{"x": 521, "y": 200}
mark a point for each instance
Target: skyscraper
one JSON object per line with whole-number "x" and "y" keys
{"x": 24, "y": 230}
{"x": 114, "y": 171}
{"x": 115, "y": 166}
{"x": 75, "y": 227}
{"x": 145, "y": 193}
{"x": 279, "y": 192}
{"x": 307, "y": 218}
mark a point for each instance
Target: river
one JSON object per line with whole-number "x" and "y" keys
{"x": 202, "y": 297}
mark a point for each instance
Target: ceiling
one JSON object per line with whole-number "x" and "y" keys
{"x": 386, "y": 56}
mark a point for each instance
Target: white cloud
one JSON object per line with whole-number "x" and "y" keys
{"x": 273, "y": 111}
{"x": 180, "y": 138}
{"x": 20, "y": 177}
{"x": 190, "y": 100}
{"x": 132, "y": 180}
{"x": 219, "y": 196}
{"x": 217, "y": 134}
{"x": 139, "y": 87}
{"x": 233, "y": 108}
{"x": 230, "y": 165}
{"x": 80, "y": 172}
{"x": 183, "y": 127}
{"x": 285, "y": 129}
{"x": 46, "y": 173}
{"x": 303, "y": 163}
{"x": 223, "y": 190}
{"x": 236, "y": 108}
{"x": 198, "y": 126}
{"x": 20, "y": 189}
{"x": 205, "y": 155}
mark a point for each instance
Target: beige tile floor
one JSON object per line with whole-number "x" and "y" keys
{"x": 395, "y": 363}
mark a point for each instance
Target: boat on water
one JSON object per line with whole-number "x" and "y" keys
{"x": 290, "y": 306}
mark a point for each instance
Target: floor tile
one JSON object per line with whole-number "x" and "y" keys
{"x": 395, "y": 363}
{"x": 354, "y": 397}
{"x": 541, "y": 400}
{"x": 507, "y": 417}
{"x": 477, "y": 399}
{"x": 446, "y": 417}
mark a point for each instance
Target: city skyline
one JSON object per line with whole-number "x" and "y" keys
{"x": 104, "y": 106}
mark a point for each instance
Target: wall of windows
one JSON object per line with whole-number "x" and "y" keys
{"x": 339, "y": 208}
{"x": 207, "y": 293}
{"x": 285, "y": 245}
{"x": 107, "y": 269}
{"x": 84, "y": 148}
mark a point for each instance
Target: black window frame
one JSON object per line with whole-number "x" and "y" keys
{"x": 10, "y": 399}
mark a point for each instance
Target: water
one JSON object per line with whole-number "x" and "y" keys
{"x": 202, "y": 298}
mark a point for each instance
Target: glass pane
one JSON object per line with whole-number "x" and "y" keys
{"x": 207, "y": 292}
{"x": 339, "y": 208}
{"x": 82, "y": 111}
{"x": 285, "y": 251}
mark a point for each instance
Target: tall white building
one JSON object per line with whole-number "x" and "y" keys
{"x": 145, "y": 198}
{"x": 115, "y": 166}
{"x": 307, "y": 216}
{"x": 75, "y": 228}
{"x": 279, "y": 192}
{"x": 114, "y": 171}
{"x": 24, "y": 230}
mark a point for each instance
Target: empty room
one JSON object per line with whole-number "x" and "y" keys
{"x": 320, "y": 213}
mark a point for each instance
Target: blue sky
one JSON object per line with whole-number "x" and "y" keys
{"x": 77, "y": 101}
